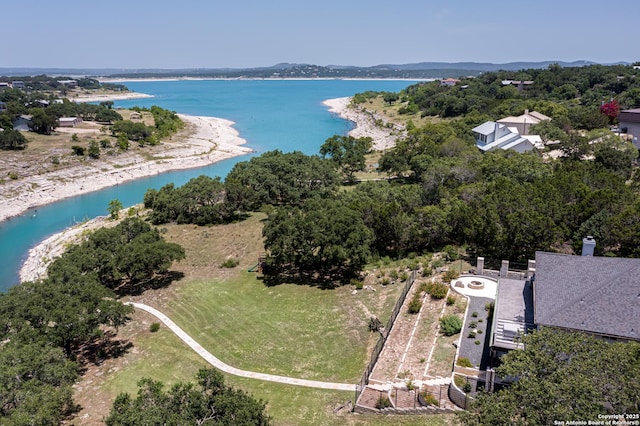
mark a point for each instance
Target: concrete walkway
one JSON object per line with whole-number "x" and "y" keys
{"x": 232, "y": 370}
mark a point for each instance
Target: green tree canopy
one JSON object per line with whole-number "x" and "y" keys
{"x": 210, "y": 402}
{"x": 320, "y": 235}
{"x": 562, "y": 375}
{"x": 279, "y": 178}
{"x": 348, "y": 153}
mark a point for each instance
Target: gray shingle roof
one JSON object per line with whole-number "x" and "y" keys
{"x": 594, "y": 294}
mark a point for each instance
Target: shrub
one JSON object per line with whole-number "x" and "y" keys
{"x": 94, "y": 150}
{"x": 451, "y": 252}
{"x": 427, "y": 271}
{"x": 55, "y": 160}
{"x": 477, "y": 342}
{"x": 104, "y": 143}
{"x": 385, "y": 281}
{"x": 450, "y": 275}
{"x": 12, "y": 175}
{"x": 154, "y": 327}
{"x": 479, "y": 331}
{"x": 438, "y": 263}
{"x": 393, "y": 274}
{"x": 374, "y": 324}
{"x": 383, "y": 402}
{"x": 450, "y": 300}
{"x": 426, "y": 286}
{"x": 230, "y": 263}
{"x": 415, "y": 304}
{"x": 75, "y": 138}
{"x": 357, "y": 284}
{"x": 404, "y": 276}
{"x": 450, "y": 325}
{"x": 474, "y": 314}
{"x": 472, "y": 334}
{"x": 464, "y": 362}
{"x": 78, "y": 150}
{"x": 430, "y": 399}
{"x": 466, "y": 388}
{"x": 473, "y": 324}
{"x": 459, "y": 380}
{"x": 439, "y": 290}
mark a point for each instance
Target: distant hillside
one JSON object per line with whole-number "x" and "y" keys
{"x": 422, "y": 70}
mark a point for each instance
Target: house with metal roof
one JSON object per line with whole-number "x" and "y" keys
{"x": 491, "y": 135}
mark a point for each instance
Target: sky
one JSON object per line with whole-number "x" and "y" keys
{"x": 135, "y": 34}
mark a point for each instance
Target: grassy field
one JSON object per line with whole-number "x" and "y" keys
{"x": 294, "y": 330}
{"x": 392, "y": 114}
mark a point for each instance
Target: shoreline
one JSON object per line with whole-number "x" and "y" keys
{"x": 152, "y": 79}
{"x": 95, "y": 97}
{"x": 43, "y": 253}
{"x": 366, "y": 123}
{"x": 210, "y": 140}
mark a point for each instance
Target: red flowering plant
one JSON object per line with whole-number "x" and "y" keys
{"x": 611, "y": 110}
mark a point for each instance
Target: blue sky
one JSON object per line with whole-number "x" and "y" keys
{"x": 249, "y": 33}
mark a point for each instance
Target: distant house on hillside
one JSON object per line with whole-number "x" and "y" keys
{"x": 72, "y": 84}
{"x": 135, "y": 116}
{"x": 69, "y": 121}
{"x": 491, "y": 135}
{"x": 3, "y": 106}
{"x": 524, "y": 121}
{"x": 449, "y": 82}
{"x": 17, "y": 84}
{"x": 22, "y": 123}
{"x": 630, "y": 122}
{"x": 4, "y": 85}
{"x": 518, "y": 84}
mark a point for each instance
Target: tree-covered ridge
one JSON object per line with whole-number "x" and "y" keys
{"x": 568, "y": 95}
{"x": 47, "y": 83}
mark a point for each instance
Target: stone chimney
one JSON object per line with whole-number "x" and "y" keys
{"x": 588, "y": 246}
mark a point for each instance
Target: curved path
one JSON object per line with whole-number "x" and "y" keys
{"x": 232, "y": 370}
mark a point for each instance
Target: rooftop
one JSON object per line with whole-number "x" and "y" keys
{"x": 588, "y": 293}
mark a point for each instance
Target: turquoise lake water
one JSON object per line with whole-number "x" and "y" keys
{"x": 270, "y": 114}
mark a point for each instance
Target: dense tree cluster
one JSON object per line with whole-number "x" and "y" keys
{"x": 278, "y": 178}
{"x": 211, "y": 402}
{"x": 562, "y": 375}
{"x": 126, "y": 258}
{"x": 166, "y": 123}
{"x": 44, "y": 325}
{"x": 200, "y": 201}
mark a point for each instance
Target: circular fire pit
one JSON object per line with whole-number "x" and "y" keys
{"x": 476, "y": 285}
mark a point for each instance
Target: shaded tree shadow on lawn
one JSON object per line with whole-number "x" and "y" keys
{"x": 324, "y": 281}
{"x": 157, "y": 282}
{"x": 103, "y": 347}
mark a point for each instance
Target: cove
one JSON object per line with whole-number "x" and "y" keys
{"x": 270, "y": 114}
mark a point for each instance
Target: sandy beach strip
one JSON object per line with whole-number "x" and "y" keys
{"x": 365, "y": 123}
{"x": 206, "y": 140}
{"x": 96, "y": 97}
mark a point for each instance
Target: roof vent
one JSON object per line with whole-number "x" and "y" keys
{"x": 588, "y": 246}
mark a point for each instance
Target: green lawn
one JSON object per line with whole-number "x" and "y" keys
{"x": 294, "y": 330}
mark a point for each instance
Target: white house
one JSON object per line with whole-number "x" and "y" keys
{"x": 69, "y": 121}
{"x": 524, "y": 121}
{"x": 492, "y": 135}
